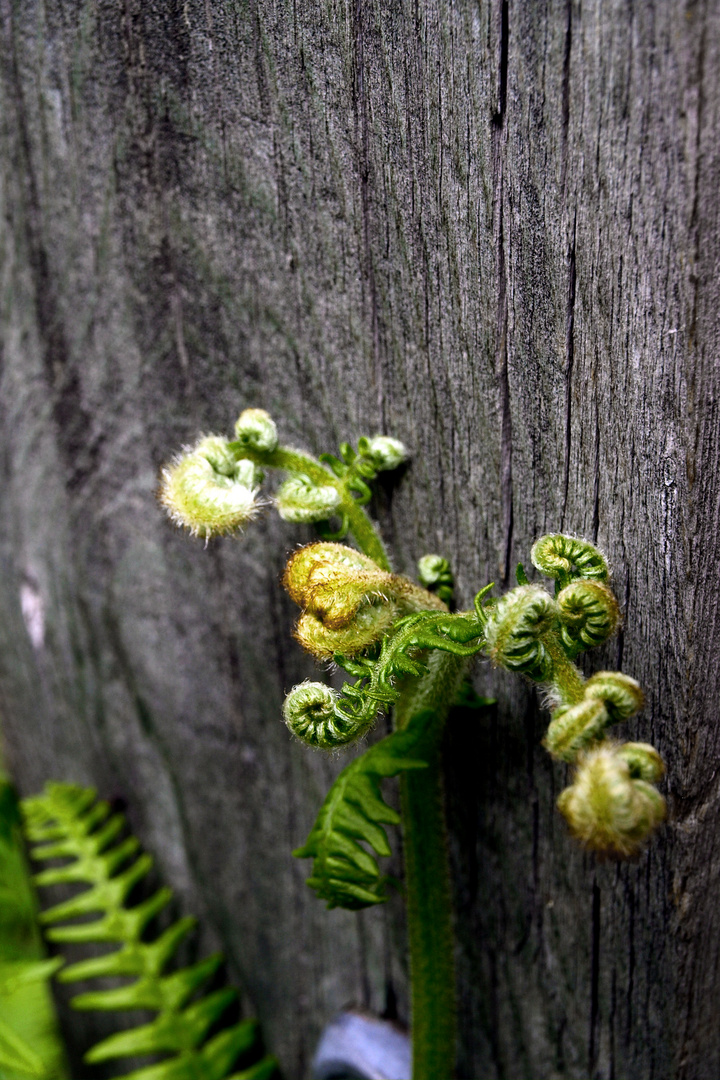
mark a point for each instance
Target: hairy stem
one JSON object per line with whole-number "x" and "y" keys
{"x": 294, "y": 461}
{"x": 427, "y": 874}
{"x": 567, "y": 680}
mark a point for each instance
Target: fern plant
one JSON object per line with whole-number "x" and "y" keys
{"x": 408, "y": 652}
{"x": 69, "y": 822}
{"x": 30, "y": 1045}
{"x": 344, "y": 873}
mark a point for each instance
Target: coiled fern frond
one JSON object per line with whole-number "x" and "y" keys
{"x": 345, "y": 873}
{"x": 67, "y": 821}
{"x": 328, "y": 720}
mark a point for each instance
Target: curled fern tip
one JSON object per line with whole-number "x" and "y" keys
{"x": 612, "y": 805}
{"x": 206, "y": 490}
{"x": 383, "y": 452}
{"x": 257, "y": 429}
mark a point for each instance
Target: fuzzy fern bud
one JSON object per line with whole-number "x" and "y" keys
{"x": 612, "y": 805}
{"x": 369, "y": 625}
{"x": 432, "y": 569}
{"x": 434, "y": 573}
{"x": 643, "y": 761}
{"x": 589, "y": 614}
{"x": 621, "y": 695}
{"x": 256, "y": 429}
{"x": 574, "y": 727}
{"x": 207, "y": 491}
{"x": 299, "y": 500}
{"x": 215, "y": 449}
{"x": 566, "y": 557}
{"x": 515, "y": 629}
{"x": 310, "y": 713}
{"x": 609, "y": 697}
{"x": 383, "y": 452}
{"x": 348, "y": 602}
{"x": 333, "y": 581}
{"x": 308, "y": 709}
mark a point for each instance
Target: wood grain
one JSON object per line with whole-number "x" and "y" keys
{"x": 490, "y": 229}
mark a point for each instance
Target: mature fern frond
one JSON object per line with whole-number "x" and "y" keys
{"x": 68, "y": 822}
{"x": 345, "y": 873}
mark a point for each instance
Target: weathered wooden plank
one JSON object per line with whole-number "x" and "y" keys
{"x": 488, "y": 229}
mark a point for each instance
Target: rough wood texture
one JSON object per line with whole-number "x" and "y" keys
{"x": 490, "y": 229}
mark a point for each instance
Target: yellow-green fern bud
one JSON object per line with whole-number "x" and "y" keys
{"x": 515, "y": 628}
{"x": 643, "y": 761}
{"x": 610, "y": 807}
{"x": 207, "y": 491}
{"x": 215, "y": 449}
{"x": 256, "y": 429}
{"x": 589, "y": 614}
{"x": 609, "y": 697}
{"x": 566, "y": 557}
{"x": 342, "y": 589}
{"x": 574, "y": 727}
{"x": 333, "y": 581}
{"x": 433, "y": 570}
{"x": 369, "y": 625}
{"x": 298, "y": 499}
{"x": 621, "y": 695}
{"x": 310, "y": 713}
{"x": 383, "y": 452}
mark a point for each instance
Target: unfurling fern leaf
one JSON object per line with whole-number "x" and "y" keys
{"x": 68, "y": 822}
{"x": 344, "y": 873}
{"x": 321, "y": 717}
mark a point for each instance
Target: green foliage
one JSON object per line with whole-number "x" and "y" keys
{"x": 407, "y": 651}
{"x": 345, "y": 873}
{"x": 380, "y": 681}
{"x": 67, "y": 822}
{"x": 29, "y": 1041}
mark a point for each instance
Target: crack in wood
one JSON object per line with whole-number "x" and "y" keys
{"x": 569, "y": 362}
{"x": 503, "y": 48}
{"x": 362, "y": 143}
{"x": 565, "y": 95}
{"x": 594, "y": 977}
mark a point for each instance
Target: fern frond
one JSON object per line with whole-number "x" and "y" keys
{"x": 345, "y": 873}
{"x": 69, "y": 822}
{"x": 348, "y": 716}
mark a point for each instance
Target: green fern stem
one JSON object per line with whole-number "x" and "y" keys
{"x": 294, "y": 461}
{"x": 567, "y": 680}
{"x": 427, "y": 873}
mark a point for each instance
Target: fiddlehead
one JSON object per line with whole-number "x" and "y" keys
{"x": 211, "y": 488}
{"x": 609, "y": 806}
{"x": 67, "y": 822}
{"x": 208, "y": 491}
{"x": 588, "y": 613}
{"x": 333, "y": 582}
{"x": 612, "y": 805}
{"x": 298, "y": 499}
{"x": 403, "y": 653}
{"x": 434, "y": 573}
{"x": 348, "y": 603}
{"x": 310, "y": 712}
{"x": 255, "y": 430}
{"x": 516, "y": 627}
{"x": 567, "y": 557}
{"x": 608, "y": 698}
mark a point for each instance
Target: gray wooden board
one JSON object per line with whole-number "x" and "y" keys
{"x": 489, "y": 230}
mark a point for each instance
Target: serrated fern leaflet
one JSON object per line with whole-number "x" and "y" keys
{"x": 345, "y": 873}
{"x": 68, "y": 822}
